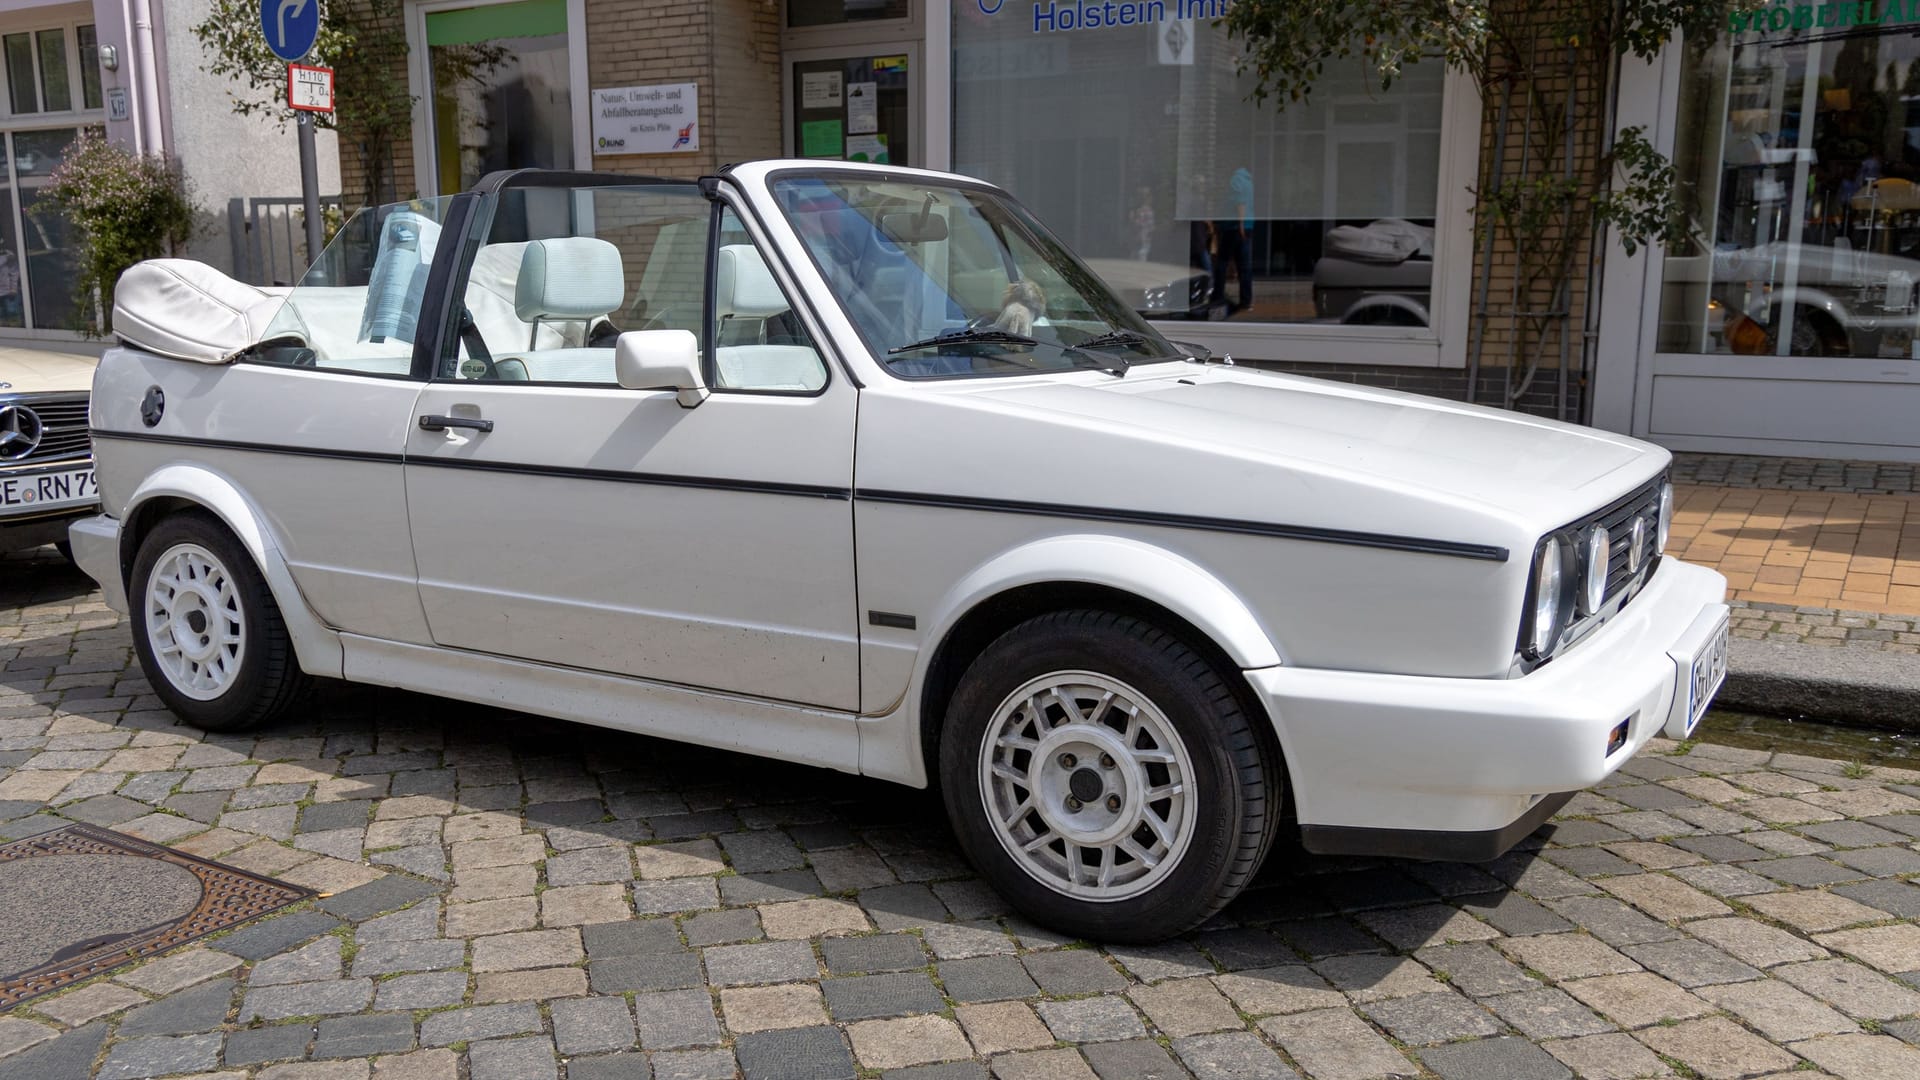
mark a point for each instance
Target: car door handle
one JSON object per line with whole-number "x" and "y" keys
{"x": 436, "y": 422}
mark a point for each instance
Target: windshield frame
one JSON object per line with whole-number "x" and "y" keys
{"x": 1032, "y": 231}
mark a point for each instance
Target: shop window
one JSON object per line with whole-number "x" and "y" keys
{"x": 1798, "y": 154}
{"x": 23, "y": 96}
{"x": 1130, "y": 132}
{"x": 502, "y": 95}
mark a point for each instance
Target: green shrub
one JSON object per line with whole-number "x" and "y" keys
{"x": 125, "y": 206}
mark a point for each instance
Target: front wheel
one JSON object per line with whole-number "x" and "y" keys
{"x": 1103, "y": 776}
{"x": 206, "y": 627}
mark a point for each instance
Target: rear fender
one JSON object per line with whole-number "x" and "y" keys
{"x": 316, "y": 646}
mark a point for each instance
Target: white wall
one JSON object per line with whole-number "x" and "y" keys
{"x": 224, "y": 154}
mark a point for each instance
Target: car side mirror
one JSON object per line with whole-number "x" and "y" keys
{"x": 660, "y": 360}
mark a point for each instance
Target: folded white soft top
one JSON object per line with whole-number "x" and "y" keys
{"x": 188, "y": 310}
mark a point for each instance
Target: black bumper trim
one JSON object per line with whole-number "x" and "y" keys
{"x": 1433, "y": 845}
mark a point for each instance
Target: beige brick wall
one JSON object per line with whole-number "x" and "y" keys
{"x": 1519, "y": 292}
{"x": 729, "y": 48}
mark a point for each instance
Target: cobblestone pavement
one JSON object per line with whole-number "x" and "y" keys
{"x": 512, "y": 899}
{"x": 1796, "y": 474}
{"x": 1763, "y": 621}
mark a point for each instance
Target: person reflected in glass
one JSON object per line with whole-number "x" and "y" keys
{"x": 1236, "y": 242}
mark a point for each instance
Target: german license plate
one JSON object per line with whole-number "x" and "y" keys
{"x": 1709, "y": 671}
{"x": 48, "y": 489}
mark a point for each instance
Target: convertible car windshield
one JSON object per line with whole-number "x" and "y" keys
{"x": 946, "y": 281}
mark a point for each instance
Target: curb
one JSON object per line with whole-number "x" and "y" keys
{"x": 1823, "y": 683}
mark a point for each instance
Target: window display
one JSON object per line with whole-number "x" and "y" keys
{"x": 1798, "y": 152}
{"x": 1127, "y": 127}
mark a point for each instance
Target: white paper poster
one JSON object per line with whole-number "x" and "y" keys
{"x": 863, "y": 108}
{"x": 871, "y": 148}
{"x": 661, "y": 119}
{"x": 820, "y": 90}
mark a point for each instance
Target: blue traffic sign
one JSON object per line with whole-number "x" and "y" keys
{"x": 291, "y": 26}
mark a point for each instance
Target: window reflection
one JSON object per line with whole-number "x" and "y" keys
{"x": 1139, "y": 145}
{"x": 501, "y": 90}
{"x": 1800, "y": 160}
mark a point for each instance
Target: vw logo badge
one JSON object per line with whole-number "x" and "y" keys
{"x": 20, "y": 432}
{"x": 1637, "y": 548}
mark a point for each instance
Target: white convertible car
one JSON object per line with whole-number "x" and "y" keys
{"x": 858, "y": 466}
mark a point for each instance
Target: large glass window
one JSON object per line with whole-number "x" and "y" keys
{"x": 37, "y": 267}
{"x": 502, "y": 89}
{"x": 1128, "y": 131}
{"x": 1799, "y": 158}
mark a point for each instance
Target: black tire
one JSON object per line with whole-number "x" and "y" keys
{"x": 1238, "y": 785}
{"x": 266, "y": 677}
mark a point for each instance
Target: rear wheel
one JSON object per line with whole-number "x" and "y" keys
{"x": 1103, "y": 776}
{"x": 206, "y": 627}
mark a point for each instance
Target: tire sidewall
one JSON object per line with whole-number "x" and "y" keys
{"x": 236, "y": 707}
{"x": 1218, "y": 805}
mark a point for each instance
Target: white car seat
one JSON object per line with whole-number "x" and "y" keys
{"x": 745, "y": 291}
{"x": 562, "y": 286}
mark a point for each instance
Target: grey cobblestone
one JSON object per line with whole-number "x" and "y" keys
{"x": 1727, "y": 908}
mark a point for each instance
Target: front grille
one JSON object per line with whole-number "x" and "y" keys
{"x": 1618, "y": 519}
{"x": 1622, "y": 583}
{"x": 63, "y": 430}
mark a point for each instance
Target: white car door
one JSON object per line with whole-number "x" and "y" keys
{"x": 559, "y": 518}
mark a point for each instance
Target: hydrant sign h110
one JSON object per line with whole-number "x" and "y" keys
{"x": 309, "y": 88}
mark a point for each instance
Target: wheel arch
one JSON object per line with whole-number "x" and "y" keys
{"x": 178, "y": 488}
{"x": 1103, "y": 573}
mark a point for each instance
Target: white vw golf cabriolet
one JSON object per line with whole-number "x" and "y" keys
{"x": 858, "y": 466}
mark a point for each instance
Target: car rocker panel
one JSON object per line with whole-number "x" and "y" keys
{"x": 852, "y": 466}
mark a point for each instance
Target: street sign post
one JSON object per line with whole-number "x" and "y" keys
{"x": 291, "y": 27}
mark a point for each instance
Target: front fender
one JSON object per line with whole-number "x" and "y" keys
{"x": 890, "y": 745}
{"x": 316, "y": 645}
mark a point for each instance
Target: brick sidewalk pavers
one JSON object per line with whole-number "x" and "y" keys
{"x": 514, "y": 899}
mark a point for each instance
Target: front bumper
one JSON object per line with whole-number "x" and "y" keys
{"x": 1449, "y": 768}
{"x": 96, "y": 551}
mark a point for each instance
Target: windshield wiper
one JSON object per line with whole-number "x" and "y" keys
{"x": 980, "y": 336}
{"x": 1112, "y": 365}
{"x": 1114, "y": 337}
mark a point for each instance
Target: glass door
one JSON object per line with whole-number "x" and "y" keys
{"x": 501, "y": 89}
{"x": 854, "y": 105}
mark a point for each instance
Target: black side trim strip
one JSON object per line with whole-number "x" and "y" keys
{"x": 1455, "y": 549}
{"x": 1486, "y": 552}
{"x": 1436, "y": 845}
{"x": 891, "y": 619}
{"x": 257, "y": 448}
{"x": 713, "y": 483}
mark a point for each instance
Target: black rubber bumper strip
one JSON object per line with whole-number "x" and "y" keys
{"x": 1432, "y": 845}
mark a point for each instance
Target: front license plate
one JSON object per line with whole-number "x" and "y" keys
{"x": 49, "y": 489}
{"x": 1709, "y": 671}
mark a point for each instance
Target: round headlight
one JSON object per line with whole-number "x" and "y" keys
{"x": 1593, "y": 570}
{"x": 1547, "y": 615}
{"x": 1666, "y": 519}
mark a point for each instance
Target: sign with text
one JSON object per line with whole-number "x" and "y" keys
{"x": 309, "y": 89}
{"x": 662, "y": 119}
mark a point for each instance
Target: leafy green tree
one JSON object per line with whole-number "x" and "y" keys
{"x": 1523, "y": 56}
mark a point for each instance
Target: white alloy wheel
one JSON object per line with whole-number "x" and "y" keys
{"x": 195, "y": 622}
{"x": 1087, "y": 786}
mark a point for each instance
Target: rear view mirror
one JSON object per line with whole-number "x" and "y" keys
{"x": 913, "y": 227}
{"x": 660, "y": 360}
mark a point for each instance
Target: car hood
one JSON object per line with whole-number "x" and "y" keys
{"x": 40, "y": 371}
{"x": 1535, "y": 473}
